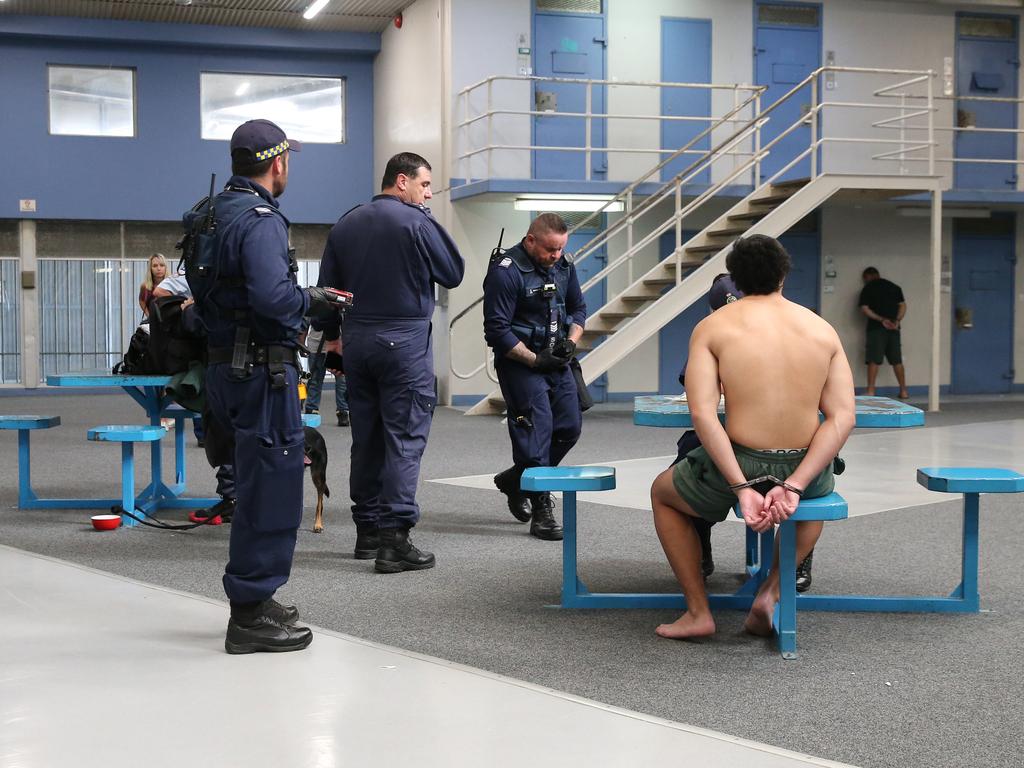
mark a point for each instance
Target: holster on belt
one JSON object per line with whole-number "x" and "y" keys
{"x": 274, "y": 356}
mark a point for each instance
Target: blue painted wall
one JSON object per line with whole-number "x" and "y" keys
{"x": 167, "y": 166}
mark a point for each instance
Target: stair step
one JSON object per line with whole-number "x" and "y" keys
{"x": 617, "y": 315}
{"x": 748, "y": 216}
{"x": 769, "y": 199}
{"x": 659, "y": 281}
{"x": 596, "y": 332}
{"x": 497, "y": 402}
{"x": 730, "y": 232}
{"x": 790, "y": 183}
{"x": 706, "y": 248}
{"x": 687, "y": 264}
{"x": 638, "y": 299}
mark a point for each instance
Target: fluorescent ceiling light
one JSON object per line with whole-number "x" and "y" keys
{"x": 314, "y": 9}
{"x": 572, "y": 203}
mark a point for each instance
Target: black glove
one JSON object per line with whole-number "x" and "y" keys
{"x": 565, "y": 348}
{"x": 547, "y": 362}
{"x": 326, "y": 303}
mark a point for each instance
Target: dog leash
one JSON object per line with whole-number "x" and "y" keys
{"x": 117, "y": 509}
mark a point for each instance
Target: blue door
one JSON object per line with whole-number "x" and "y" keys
{"x": 685, "y": 58}
{"x": 570, "y": 46}
{"x": 983, "y": 270}
{"x": 804, "y": 249}
{"x": 595, "y": 296}
{"x": 674, "y": 338}
{"x": 787, "y": 48}
{"x": 987, "y": 63}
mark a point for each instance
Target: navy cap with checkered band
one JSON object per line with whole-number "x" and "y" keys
{"x": 257, "y": 140}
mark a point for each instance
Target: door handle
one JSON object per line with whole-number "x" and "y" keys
{"x": 964, "y": 318}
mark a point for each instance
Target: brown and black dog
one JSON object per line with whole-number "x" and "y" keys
{"x": 316, "y": 460}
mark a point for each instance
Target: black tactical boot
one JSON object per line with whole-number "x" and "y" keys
{"x": 258, "y": 629}
{"x": 518, "y": 502}
{"x": 544, "y": 526}
{"x": 285, "y": 614}
{"x": 397, "y": 553}
{"x": 367, "y": 542}
{"x": 343, "y": 419}
{"x": 803, "y": 573}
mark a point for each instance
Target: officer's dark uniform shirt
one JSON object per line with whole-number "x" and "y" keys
{"x": 392, "y": 284}
{"x": 255, "y": 247}
{"x": 515, "y": 308}
{"x": 883, "y": 297}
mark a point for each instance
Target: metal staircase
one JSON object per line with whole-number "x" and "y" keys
{"x": 660, "y": 293}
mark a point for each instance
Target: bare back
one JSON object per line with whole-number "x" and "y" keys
{"x": 773, "y": 359}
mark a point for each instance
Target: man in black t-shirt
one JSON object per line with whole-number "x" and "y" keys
{"x": 883, "y": 304}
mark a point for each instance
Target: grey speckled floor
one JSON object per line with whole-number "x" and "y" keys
{"x": 872, "y": 690}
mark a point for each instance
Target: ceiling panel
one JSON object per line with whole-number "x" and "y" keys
{"x": 339, "y": 15}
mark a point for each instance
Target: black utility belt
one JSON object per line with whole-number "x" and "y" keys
{"x": 268, "y": 354}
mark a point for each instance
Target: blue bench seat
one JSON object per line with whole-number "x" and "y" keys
{"x": 25, "y": 425}
{"x": 127, "y": 436}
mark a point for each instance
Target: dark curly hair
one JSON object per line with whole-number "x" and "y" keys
{"x": 758, "y": 264}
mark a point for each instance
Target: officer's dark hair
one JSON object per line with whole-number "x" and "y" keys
{"x": 758, "y": 264}
{"x": 548, "y": 222}
{"x": 407, "y": 163}
{"x": 242, "y": 165}
{"x": 870, "y": 272}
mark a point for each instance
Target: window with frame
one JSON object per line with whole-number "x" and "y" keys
{"x": 309, "y": 109}
{"x": 91, "y": 101}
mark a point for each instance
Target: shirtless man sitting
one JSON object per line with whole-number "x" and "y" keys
{"x": 777, "y": 363}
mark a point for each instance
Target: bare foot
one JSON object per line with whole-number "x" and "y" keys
{"x": 870, "y": 392}
{"x": 759, "y": 620}
{"x": 904, "y": 396}
{"x": 687, "y": 626}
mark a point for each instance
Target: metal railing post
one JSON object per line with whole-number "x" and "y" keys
{"x": 589, "y": 119}
{"x": 679, "y": 232}
{"x": 903, "y": 135}
{"x": 757, "y": 141}
{"x": 490, "y": 121}
{"x": 629, "y": 233}
{"x": 931, "y": 125}
{"x": 814, "y": 127}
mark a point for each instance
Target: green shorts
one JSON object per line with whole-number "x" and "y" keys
{"x": 882, "y": 343}
{"x": 698, "y": 481}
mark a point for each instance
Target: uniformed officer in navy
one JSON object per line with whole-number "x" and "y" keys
{"x": 391, "y": 254}
{"x": 534, "y": 315}
{"x": 253, "y": 313}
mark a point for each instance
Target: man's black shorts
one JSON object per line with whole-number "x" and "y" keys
{"x": 882, "y": 343}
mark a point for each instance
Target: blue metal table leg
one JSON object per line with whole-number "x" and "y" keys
{"x": 570, "y": 579}
{"x": 751, "y": 551}
{"x": 25, "y": 493}
{"x": 179, "y": 451}
{"x": 969, "y": 557}
{"x": 786, "y": 628}
{"x": 128, "y": 483}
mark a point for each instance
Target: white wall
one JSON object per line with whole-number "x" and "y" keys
{"x": 408, "y": 89}
{"x": 634, "y": 53}
{"x": 485, "y": 42}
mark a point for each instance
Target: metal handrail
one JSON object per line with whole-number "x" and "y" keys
{"x": 751, "y": 160}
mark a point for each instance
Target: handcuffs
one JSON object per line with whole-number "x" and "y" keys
{"x": 766, "y": 479}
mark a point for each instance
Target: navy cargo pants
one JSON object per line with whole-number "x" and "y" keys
{"x": 389, "y": 367}
{"x": 268, "y": 463}
{"x": 544, "y": 417}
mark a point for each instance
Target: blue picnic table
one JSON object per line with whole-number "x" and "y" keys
{"x": 872, "y": 412}
{"x": 147, "y": 391}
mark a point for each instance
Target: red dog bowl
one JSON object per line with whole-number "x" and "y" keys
{"x": 106, "y": 522}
